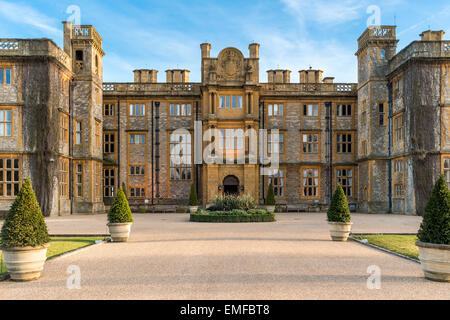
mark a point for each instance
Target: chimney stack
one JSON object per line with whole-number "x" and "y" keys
{"x": 254, "y": 50}
{"x": 206, "y": 50}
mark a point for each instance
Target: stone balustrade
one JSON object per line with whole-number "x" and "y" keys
{"x": 34, "y": 47}
{"x": 309, "y": 88}
{"x": 421, "y": 49}
{"x": 152, "y": 88}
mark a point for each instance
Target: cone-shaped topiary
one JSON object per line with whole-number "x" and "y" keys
{"x": 435, "y": 227}
{"x": 124, "y": 189}
{"x": 270, "y": 200}
{"x": 24, "y": 225}
{"x": 120, "y": 211}
{"x": 193, "y": 200}
{"x": 339, "y": 210}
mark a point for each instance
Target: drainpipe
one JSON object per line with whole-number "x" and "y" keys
{"x": 196, "y": 166}
{"x": 262, "y": 117}
{"x": 390, "y": 98}
{"x": 329, "y": 131}
{"x": 71, "y": 182}
{"x": 157, "y": 143}
{"x": 118, "y": 147}
{"x": 153, "y": 157}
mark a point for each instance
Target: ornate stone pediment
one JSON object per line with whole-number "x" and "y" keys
{"x": 230, "y": 65}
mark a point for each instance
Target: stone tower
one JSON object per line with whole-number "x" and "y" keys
{"x": 84, "y": 45}
{"x": 376, "y": 46}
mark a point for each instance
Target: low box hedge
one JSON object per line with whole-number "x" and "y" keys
{"x": 234, "y": 216}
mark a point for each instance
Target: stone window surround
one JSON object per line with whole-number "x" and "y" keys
{"x": 176, "y": 109}
{"x": 136, "y": 110}
{"x": 311, "y": 110}
{"x": 230, "y": 102}
{"x": 281, "y": 142}
{"x": 79, "y": 179}
{"x": 344, "y": 110}
{"x": 78, "y": 134}
{"x": 341, "y": 144}
{"x": 310, "y": 142}
{"x": 108, "y": 109}
{"x": 109, "y": 145}
{"x": 133, "y": 191}
{"x": 279, "y": 109}
{"x": 15, "y": 175}
{"x": 64, "y": 128}
{"x": 108, "y": 185}
{"x": 399, "y": 134}
{"x": 63, "y": 178}
{"x": 135, "y": 168}
{"x": 4, "y": 122}
{"x": 181, "y": 169}
{"x": 348, "y": 178}
{"x": 279, "y": 187}
{"x": 5, "y": 67}
{"x": 315, "y": 186}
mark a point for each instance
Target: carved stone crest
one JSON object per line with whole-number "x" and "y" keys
{"x": 230, "y": 64}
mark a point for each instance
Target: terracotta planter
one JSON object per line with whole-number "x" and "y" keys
{"x": 193, "y": 209}
{"x": 25, "y": 264}
{"x": 340, "y": 231}
{"x": 120, "y": 232}
{"x": 435, "y": 261}
{"x": 269, "y": 208}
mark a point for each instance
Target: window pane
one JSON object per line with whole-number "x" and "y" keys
{"x": 8, "y": 76}
{"x": 2, "y": 75}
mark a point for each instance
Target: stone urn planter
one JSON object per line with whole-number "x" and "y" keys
{"x": 120, "y": 232}
{"x": 433, "y": 235}
{"x": 271, "y": 209}
{"x": 193, "y": 209}
{"x": 435, "y": 261}
{"x": 339, "y": 217}
{"x": 120, "y": 218}
{"x": 340, "y": 231}
{"x": 25, "y": 263}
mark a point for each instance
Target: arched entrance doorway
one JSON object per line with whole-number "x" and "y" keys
{"x": 231, "y": 185}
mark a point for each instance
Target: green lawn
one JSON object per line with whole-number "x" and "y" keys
{"x": 60, "y": 245}
{"x": 403, "y": 244}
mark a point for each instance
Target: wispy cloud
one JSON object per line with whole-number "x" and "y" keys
{"x": 324, "y": 12}
{"x": 24, "y": 14}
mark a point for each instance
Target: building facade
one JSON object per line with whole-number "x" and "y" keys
{"x": 385, "y": 139}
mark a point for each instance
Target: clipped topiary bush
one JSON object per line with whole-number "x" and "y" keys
{"x": 231, "y": 202}
{"x": 120, "y": 211}
{"x": 435, "y": 227}
{"x": 193, "y": 200}
{"x": 270, "y": 200}
{"x": 339, "y": 210}
{"x": 25, "y": 225}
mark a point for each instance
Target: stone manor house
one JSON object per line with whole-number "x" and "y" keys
{"x": 385, "y": 139}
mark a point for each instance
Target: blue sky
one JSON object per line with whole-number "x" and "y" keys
{"x": 294, "y": 34}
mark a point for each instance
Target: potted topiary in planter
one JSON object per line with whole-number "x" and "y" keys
{"x": 24, "y": 237}
{"x": 193, "y": 200}
{"x": 339, "y": 216}
{"x": 270, "y": 200}
{"x": 120, "y": 218}
{"x": 434, "y": 234}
